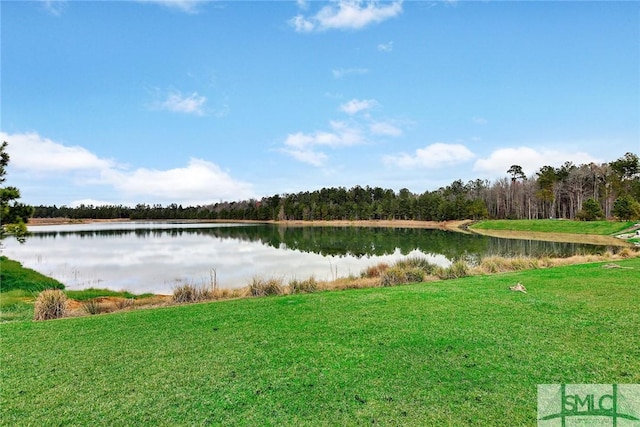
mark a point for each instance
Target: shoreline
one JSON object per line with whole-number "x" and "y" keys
{"x": 458, "y": 226}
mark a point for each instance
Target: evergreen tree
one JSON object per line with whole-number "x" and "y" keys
{"x": 13, "y": 214}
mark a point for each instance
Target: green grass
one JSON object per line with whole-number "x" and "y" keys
{"x": 603, "y": 228}
{"x": 16, "y": 305}
{"x": 19, "y": 287}
{"x": 91, "y": 293}
{"x": 459, "y": 352}
{"x": 14, "y": 276}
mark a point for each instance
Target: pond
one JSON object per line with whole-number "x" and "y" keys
{"x": 158, "y": 256}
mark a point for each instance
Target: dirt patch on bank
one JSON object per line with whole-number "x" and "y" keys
{"x": 109, "y": 304}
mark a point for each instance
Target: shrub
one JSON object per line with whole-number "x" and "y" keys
{"x": 261, "y": 288}
{"x": 591, "y": 211}
{"x": 303, "y": 287}
{"x": 50, "y": 304}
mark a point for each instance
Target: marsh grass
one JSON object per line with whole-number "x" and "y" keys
{"x": 124, "y": 303}
{"x": 307, "y": 286}
{"x": 393, "y": 276}
{"x": 375, "y": 270}
{"x": 50, "y": 304}
{"x": 417, "y": 262}
{"x": 190, "y": 293}
{"x": 92, "y": 306}
{"x": 266, "y": 287}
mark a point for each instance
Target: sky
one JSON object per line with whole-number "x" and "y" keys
{"x": 198, "y": 102}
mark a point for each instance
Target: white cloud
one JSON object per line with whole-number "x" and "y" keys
{"x": 385, "y": 129}
{"x": 300, "y": 145}
{"x": 356, "y": 105}
{"x": 385, "y": 47}
{"x": 314, "y": 158}
{"x": 479, "y": 120}
{"x": 347, "y": 15}
{"x": 54, "y": 7}
{"x": 42, "y": 159}
{"x": 531, "y": 160}
{"x": 433, "y": 156}
{"x": 186, "y": 6}
{"x": 342, "y": 134}
{"x": 31, "y": 152}
{"x": 176, "y": 102}
{"x": 198, "y": 183}
{"x": 301, "y": 24}
{"x": 341, "y": 73}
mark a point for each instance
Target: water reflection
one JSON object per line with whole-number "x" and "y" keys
{"x": 155, "y": 257}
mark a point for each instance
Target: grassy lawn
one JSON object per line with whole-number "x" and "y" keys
{"x": 458, "y": 352}
{"x": 603, "y": 228}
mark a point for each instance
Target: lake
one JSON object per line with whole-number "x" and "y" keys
{"x": 158, "y": 256}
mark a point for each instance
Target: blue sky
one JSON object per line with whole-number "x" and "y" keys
{"x": 196, "y": 102}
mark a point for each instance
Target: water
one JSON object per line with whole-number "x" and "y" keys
{"x": 158, "y": 256}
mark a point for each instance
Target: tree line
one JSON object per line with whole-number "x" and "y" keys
{"x": 585, "y": 192}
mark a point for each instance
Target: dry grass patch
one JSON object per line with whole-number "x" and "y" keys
{"x": 262, "y": 288}
{"x": 375, "y": 270}
{"x": 351, "y": 283}
{"x": 190, "y": 293}
{"x": 50, "y": 304}
{"x": 304, "y": 286}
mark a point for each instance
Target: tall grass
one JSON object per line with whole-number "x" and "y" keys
{"x": 189, "y": 293}
{"x": 261, "y": 287}
{"x": 303, "y": 286}
{"x": 50, "y": 304}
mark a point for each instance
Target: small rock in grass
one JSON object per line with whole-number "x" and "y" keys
{"x": 519, "y": 288}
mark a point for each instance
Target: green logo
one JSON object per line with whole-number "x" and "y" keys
{"x": 567, "y": 405}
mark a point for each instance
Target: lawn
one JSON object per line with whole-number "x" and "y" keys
{"x": 604, "y": 228}
{"x": 458, "y": 352}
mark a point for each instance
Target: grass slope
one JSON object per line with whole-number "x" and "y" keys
{"x": 604, "y": 228}
{"x": 18, "y": 288}
{"x": 13, "y": 276}
{"x": 459, "y": 352}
